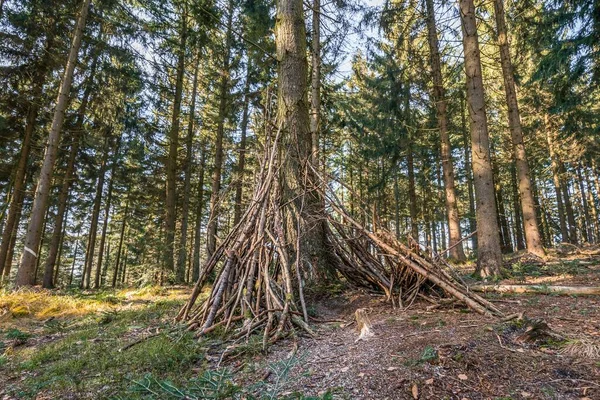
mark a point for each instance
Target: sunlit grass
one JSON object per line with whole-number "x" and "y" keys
{"x": 74, "y": 343}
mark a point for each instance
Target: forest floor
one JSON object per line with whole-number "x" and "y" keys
{"x": 123, "y": 344}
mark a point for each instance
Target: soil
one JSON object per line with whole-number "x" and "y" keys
{"x": 446, "y": 353}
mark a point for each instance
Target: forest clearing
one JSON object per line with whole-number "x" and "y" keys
{"x": 294, "y": 199}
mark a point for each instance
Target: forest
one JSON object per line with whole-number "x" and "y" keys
{"x": 287, "y": 199}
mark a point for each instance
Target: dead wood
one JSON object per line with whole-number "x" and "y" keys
{"x": 363, "y": 324}
{"x": 562, "y": 290}
{"x": 259, "y": 282}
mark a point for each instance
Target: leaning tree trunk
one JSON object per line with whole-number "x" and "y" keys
{"x": 16, "y": 202}
{"x": 489, "y": 260}
{"x": 171, "y": 195}
{"x": 185, "y": 211}
{"x": 77, "y": 133}
{"x": 211, "y": 240}
{"x": 25, "y": 274}
{"x": 533, "y": 238}
{"x": 439, "y": 97}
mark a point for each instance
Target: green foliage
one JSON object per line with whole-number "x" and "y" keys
{"x": 16, "y": 334}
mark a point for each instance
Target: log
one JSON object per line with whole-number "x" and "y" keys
{"x": 540, "y": 289}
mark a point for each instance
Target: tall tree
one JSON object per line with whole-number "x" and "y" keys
{"x": 489, "y": 255}
{"x": 224, "y": 83}
{"x": 171, "y": 165}
{"x": 26, "y": 271}
{"x": 439, "y": 97}
{"x": 533, "y": 238}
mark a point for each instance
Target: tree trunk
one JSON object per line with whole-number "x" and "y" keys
{"x": 516, "y": 206}
{"x": 211, "y": 240}
{"x": 564, "y": 185}
{"x": 120, "y": 248}
{"x": 19, "y": 179}
{"x": 489, "y": 260}
{"x": 305, "y": 208}
{"x": 532, "y": 233}
{"x": 469, "y": 174}
{"x": 199, "y": 210}
{"x": 564, "y": 232}
{"x": 171, "y": 186}
{"x": 109, "y": 194}
{"x": 185, "y": 212}
{"x": 315, "y": 98}
{"x": 242, "y": 152}
{"x": 91, "y": 246}
{"x": 592, "y": 204}
{"x": 33, "y": 237}
{"x": 67, "y": 179}
{"x": 439, "y": 97}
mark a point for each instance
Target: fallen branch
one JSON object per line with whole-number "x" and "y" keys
{"x": 540, "y": 289}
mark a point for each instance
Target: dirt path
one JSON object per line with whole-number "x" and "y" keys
{"x": 444, "y": 354}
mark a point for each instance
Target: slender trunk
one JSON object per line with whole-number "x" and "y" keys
{"x": 60, "y": 247}
{"x": 91, "y": 246}
{"x": 33, "y": 237}
{"x": 412, "y": 193}
{"x": 39, "y": 249}
{"x": 532, "y": 233}
{"x": 516, "y": 206}
{"x": 242, "y": 152}
{"x": 211, "y": 241}
{"x": 439, "y": 97}
{"x": 564, "y": 185}
{"x": 564, "y": 232}
{"x": 74, "y": 258}
{"x": 120, "y": 248}
{"x": 489, "y": 260}
{"x": 180, "y": 276}
{"x": 469, "y": 174}
{"x": 11, "y": 247}
{"x": 21, "y": 169}
{"x": 77, "y": 133}
{"x": 171, "y": 166}
{"x": 109, "y": 194}
{"x": 315, "y": 99}
{"x": 199, "y": 211}
{"x": 592, "y": 204}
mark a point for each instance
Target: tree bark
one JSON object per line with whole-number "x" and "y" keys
{"x": 533, "y": 238}
{"x": 171, "y": 186}
{"x": 489, "y": 260}
{"x": 439, "y": 97}
{"x": 305, "y": 207}
{"x": 185, "y": 211}
{"x": 25, "y": 274}
{"x": 211, "y": 240}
